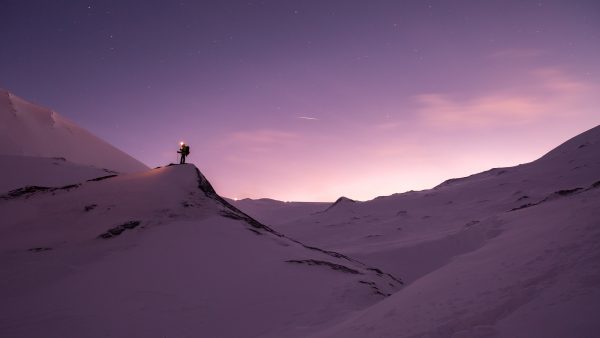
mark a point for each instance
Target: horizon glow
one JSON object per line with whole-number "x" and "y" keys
{"x": 313, "y": 100}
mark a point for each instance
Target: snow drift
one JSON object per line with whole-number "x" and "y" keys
{"x": 30, "y": 130}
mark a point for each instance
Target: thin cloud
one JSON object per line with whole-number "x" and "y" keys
{"x": 549, "y": 93}
{"x": 307, "y": 118}
{"x": 444, "y": 110}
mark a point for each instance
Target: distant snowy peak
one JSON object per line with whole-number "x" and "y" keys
{"x": 27, "y": 129}
{"x": 340, "y": 202}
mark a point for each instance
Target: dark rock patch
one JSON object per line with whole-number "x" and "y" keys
{"x": 554, "y": 195}
{"x": 116, "y": 231}
{"x": 90, "y": 207}
{"x": 567, "y": 192}
{"x": 131, "y": 224}
{"x": 101, "y": 178}
{"x": 40, "y": 249}
{"x": 381, "y": 273}
{"x": 523, "y": 206}
{"x": 30, "y": 190}
{"x": 119, "y": 229}
{"x": 333, "y": 266}
{"x": 25, "y": 191}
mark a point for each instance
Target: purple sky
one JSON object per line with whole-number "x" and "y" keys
{"x": 311, "y": 100}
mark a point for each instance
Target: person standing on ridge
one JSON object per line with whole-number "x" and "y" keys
{"x": 184, "y": 150}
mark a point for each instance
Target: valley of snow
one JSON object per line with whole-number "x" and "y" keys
{"x": 86, "y": 251}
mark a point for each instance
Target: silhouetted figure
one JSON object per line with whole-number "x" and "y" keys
{"x": 184, "y": 150}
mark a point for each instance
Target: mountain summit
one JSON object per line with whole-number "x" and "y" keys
{"x": 30, "y": 130}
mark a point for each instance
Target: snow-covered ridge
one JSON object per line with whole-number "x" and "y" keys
{"x": 140, "y": 244}
{"x": 30, "y": 130}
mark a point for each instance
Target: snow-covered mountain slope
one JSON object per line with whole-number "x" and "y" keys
{"x": 21, "y": 171}
{"x": 534, "y": 273}
{"x": 160, "y": 254}
{"x": 30, "y": 130}
{"x": 408, "y": 224}
{"x": 272, "y": 211}
{"x": 510, "y": 252}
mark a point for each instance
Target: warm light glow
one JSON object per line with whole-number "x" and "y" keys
{"x": 180, "y": 143}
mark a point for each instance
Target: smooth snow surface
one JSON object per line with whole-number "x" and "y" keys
{"x": 160, "y": 254}
{"x": 30, "y": 130}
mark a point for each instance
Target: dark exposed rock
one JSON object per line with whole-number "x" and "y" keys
{"x": 333, "y": 266}
{"x": 116, "y": 231}
{"x": 90, "y": 207}
{"x": 101, "y": 178}
{"x": 28, "y": 190}
{"x": 554, "y": 195}
{"x": 40, "y": 249}
{"x": 566, "y": 192}
{"x": 523, "y": 206}
{"x": 131, "y": 224}
{"x": 34, "y": 189}
{"x": 119, "y": 229}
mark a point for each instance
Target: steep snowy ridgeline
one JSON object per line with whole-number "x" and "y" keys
{"x": 158, "y": 254}
{"x": 30, "y": 130}
{"x": 538, "y": 275}
{"x": 271, "y": 211}
{"x": 21, "y": 171}
{"x": 413, "y": 233}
